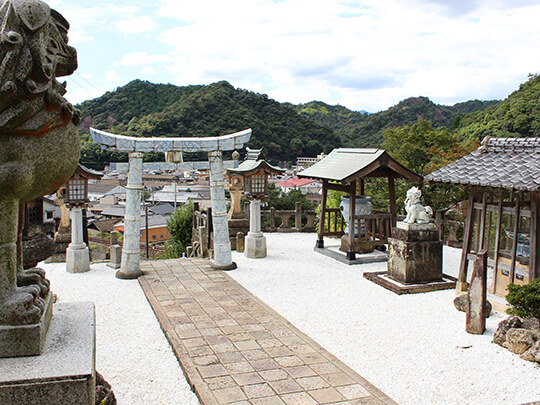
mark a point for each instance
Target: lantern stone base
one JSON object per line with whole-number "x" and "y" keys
{"x": 65, "y": 372}
{"x": 415, "y": 254}
{"x": 77, "y": 258}
{"x": 358, "y": 246}
{"x": 255, "y": 245}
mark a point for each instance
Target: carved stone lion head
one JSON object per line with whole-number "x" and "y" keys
{"x": 33, "y": 52}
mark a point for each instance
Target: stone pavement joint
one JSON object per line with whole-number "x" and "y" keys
{"x": 234, "y": 349}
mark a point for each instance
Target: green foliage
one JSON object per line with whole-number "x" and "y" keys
{"x": 179, "y": 226}
{"x": 518, "y": 115}
{"x": 524, "y": 299}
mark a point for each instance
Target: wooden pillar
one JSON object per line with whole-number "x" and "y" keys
{"x": 482, "y": 226}
{"x": 534, "y": 262}
{"x": 461, "y": 284}
{"x": 392, "y": 198}
{"x": 320, "y": 238}
{"x": 497, "y": 240}
{"x": 515, "y": 241}
{"x": 352, "y": 213}
{"x": 361, "y": 187}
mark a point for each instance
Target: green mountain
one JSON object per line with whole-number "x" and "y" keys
{"x": 518, "y": 115}
{"x": 156, "y": 110}
{"x": 365, "y": 130}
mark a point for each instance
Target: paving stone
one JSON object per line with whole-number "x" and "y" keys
{"x": 275, "y": 400}
{"x": 247, "y": 345}
{"x": 214, "y": 370}
{"x": 255, "y": 355}
{"x": 258, "y": 390}
{"x": 312, "y": 358}
{"x": 229, "y": 395}
{"x": 216, "y": 383}
{"x": 230, "y": 357}
{"x": 324, "y": 368}
{"x": 326, "y": 395}
{"x": 274, "y": 375}
{"x": 247, "y": 379}
{"x": 240, "y": 367}
{"x": 301, "y": 371}
{"x": 312, "y": 383}
{"x": 267, "y": 343}
{"x": 205, "y": 360}
{"x": 194, "y": 342}
{"x": 267, "y": 364}
{"x": 279, "y": 351}
{"x": 298, "y": 398}
{"x": 286, "y": 386}
{"x": 353, "y": 391}
{"x": 289, "y": 361}
{"x": 238, "y": 337}
{"x": 224, "y": 348}
{"x": 337, "y": 379}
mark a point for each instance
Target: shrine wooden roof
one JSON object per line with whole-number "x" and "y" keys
{"x": 511, "y": 163}
{"x": 348, "y": 164}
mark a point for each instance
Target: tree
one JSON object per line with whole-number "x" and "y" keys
{"x": 179, "y": 226}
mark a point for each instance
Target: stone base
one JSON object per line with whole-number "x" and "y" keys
{"x": 416, "y": 227}
{"x": 225, "y": 267}
{"x": 26, "y": 340}
{"x": 381, "y": 278}
{"x": 115, "y": 254}
{"x": 415, "y": 255}
{"x": 128, "y": 275}
{"x": 359, "y": 246}
{"x": 77, "y": 260}
{"x": 65, "y": 372}
{"x": 255, "y": 246}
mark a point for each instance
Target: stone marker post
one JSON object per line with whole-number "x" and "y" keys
{"x": 77, "y": 256}
{"x": 131, "y": 251}
{"x": 255, "y": 241}
{"x": 222, "y": 244}
{"x": 476, "y": 305}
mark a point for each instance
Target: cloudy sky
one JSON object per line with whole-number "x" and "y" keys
{"x": 366, "y": 55}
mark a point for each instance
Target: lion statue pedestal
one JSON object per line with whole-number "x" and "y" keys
{"x": 414, "y": 250}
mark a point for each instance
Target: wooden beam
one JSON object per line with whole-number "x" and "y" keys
{"x": 337, "y": 187}
{"x": 320, "y": 238}
{"x": 462, "y": 278}
{"x": 515, "y": 241}
{"x": 392, "y": 198}
{"x": 497, "y": 240}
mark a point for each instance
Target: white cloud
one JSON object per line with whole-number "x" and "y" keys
{"x": 111, "y": 76}
{"x": 136, "y": 25}
{"x": 148, "y": 71}
{"x": 141, "y": 58}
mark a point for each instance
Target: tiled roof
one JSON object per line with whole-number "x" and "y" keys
{"x": 499, "y": 162}
{"x": 294, "y": 182}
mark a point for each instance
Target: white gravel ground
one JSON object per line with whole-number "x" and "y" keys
{"x": 132, "y": 353}
{"x": 413, "y": 347}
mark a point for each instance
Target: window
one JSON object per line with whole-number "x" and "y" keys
{"x": 258, "y": 184}
{"x": 160, "y": 236}
{"x": 153, "y": 236}
{"x": 76, "y": 190}
{"x": 50, "y": 214}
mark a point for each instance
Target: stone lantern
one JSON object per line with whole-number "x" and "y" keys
{"x": 76, "y": 199}
{"x": 254, "y": 171}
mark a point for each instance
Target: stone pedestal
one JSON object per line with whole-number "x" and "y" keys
{"x": 255, "y": 242}
{"x": 415, "y": 254}
{"x": 65, "y": 371}
{"x": 359, "y": 246}
{"x": 115, "y": 256}
{"x": 77, "y": 256}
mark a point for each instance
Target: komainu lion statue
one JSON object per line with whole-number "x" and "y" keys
{"x": 416, "y": 212}
{"x": 39, "y": 145}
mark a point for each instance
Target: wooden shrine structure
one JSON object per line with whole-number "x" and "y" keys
{"x": 344, "y": 170}
{"x": 503, "y": 209}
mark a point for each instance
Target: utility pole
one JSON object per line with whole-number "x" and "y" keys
{"x": 146, "y": 212}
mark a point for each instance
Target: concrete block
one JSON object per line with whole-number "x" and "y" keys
{"x": 65, "y": 372}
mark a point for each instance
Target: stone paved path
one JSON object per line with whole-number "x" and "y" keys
{"x": 233, "y": 348}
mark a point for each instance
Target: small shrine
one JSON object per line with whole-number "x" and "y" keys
{"x": 503, "y": 176}
{"x": 362, "y": 229}
{"x": 252, "y": 175}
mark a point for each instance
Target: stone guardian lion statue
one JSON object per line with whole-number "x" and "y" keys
{"x": 39, "y": 145}
{"x": 416, "y": 212}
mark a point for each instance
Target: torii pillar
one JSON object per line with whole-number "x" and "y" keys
{"x": 130, "y": 266}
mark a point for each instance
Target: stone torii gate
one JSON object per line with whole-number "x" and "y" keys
{"x": 130, "y": 266}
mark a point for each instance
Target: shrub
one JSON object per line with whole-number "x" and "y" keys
{"x": 179, "y": 226}
{"x": 524, "y": 299}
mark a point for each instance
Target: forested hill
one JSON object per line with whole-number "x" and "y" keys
{"x": 516, "y": 116}
{"x": 365, "y": 130}
{"x": 156, "y": 110}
